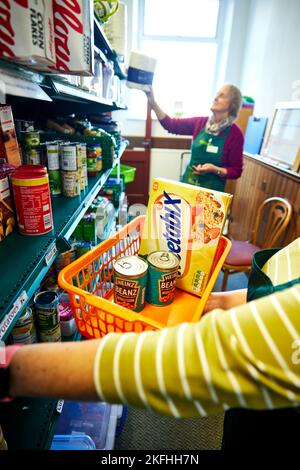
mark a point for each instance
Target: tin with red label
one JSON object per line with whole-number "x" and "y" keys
{"x": 32, "y": 199}
{"x": 130, "y": 282}
{"x": 162, "y": 275}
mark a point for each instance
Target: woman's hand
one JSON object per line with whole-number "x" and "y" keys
{"x": 206, "y": 168}
{"x": 225, "y": 300}
{"x": 215, "y": 300}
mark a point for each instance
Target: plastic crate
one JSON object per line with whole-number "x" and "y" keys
{"x": 127, "y": 173}
{"x": 86, "y": 426}
{"x": 72, "y": 442}
{"x": 89, "y": 283}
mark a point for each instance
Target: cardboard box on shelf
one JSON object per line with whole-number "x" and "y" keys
{"x": 26, "y": 32}
{"x": 73, "y": 37}
{"x": 9, "y": 148}
{"x": 7, "y": 219}
{"x": 187, "y": 220}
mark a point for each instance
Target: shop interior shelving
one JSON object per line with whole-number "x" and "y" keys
{"x": 25, "y": 260}
{"x": 102, "y": 43}
{"x": 24, "y": 83}
{"x": 29, "y": 423}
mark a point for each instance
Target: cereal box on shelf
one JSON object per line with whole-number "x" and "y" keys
{"x": 187, "y": 220}
{"x": 27, "y": 32}
{"x": 9, "y": 148}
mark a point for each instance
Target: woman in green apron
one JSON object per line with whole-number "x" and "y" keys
{"x": 217, "y": 145}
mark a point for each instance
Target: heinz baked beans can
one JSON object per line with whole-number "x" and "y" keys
{"x": 162, "y": 275}
{"x": 47, "y": 316}
{"x": 32, "y": 199}
{"x": 130, "y": 282}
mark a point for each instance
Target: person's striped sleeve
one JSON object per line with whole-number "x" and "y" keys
{"x": 243, "y": 357}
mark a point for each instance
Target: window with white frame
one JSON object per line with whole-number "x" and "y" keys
{"x": 184, "y": 37}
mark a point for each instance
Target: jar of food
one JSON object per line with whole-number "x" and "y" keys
{"x": 32, "y": 199}
{"x": 91, "y": 159}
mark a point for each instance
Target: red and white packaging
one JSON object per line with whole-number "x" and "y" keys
{"x": 73, "y": 36}
{"x": 27, "y": 32}
{"x": 32, "y": 199}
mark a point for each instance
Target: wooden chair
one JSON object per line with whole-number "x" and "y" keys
{"x": 272, "y": 218}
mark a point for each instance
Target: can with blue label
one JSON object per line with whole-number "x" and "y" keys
{"x": 162, "y": 275}
{"x": 47, "y": 316}
{"x": 130, "y": 282}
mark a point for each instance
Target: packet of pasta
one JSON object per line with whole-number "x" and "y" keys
{"x": 187, "y": 220}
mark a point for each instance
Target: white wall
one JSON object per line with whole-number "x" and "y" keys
{"x": 230, "y": 56}
{"x": 272, "y": 60}
{"x": 260, "y": 53}
{"x": 165, "y": 163}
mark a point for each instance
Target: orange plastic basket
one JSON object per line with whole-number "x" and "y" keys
{"x": 89, "y": 283}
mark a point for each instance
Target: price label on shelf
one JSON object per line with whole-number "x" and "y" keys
{"x": 59, "y": 406}
{"x": 51, "y": 254}
{"x": 9, "y": 318}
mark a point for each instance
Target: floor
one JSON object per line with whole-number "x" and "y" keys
{"x": 147, "y": 431}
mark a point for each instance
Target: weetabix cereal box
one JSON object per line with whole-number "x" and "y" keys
{"x": 187, "y": 220}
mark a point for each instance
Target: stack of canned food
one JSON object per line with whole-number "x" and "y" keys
{"x": 73, "y": 168}
{"x": 47, "y": 319}
{"x": 68, "y": 163}
{"x": 137, "y": 280}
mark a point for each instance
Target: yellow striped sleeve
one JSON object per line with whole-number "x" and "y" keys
{"x": 243, "y": 357}
{"x": 284, "y": 266}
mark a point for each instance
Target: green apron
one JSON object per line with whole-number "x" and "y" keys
{"x": 206, "y": 148}
{"x": 251, "y": 429}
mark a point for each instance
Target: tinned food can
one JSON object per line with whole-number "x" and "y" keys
{"x": 130, "y": 282}
{"x": 33, "y": 156}
{"x": 32, "y": 199}
{"x": 69, "y": 157}
{"x": 162, "y": 275}
{"x": 70, "y": 183}
{"x": 47, "y": 315}
{"x": 51, "y": 152}
{"x": 24, "y": 330}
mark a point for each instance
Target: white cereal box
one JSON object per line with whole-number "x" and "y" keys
{"x": 187, "y": 220}
{"x": 27, "y": 32}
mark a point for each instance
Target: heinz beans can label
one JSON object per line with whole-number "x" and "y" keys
{"x": 130, "y": 282}
{"x": 162, "y": 275}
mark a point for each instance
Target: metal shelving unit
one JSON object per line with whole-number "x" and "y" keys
{"x": 102, "y": 43}
{"x": 29, "y": 423}
{"x": 25, "y": 260}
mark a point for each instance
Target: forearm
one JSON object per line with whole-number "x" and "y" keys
{"x": 221, "y": 171}
{"x": 202, "y": 367}
{"x": 226, "y": 300}
{"x": 158, "y": 111}
{"x": 55, "y": 370}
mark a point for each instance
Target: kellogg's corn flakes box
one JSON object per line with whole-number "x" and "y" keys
{"x": 187, "y": 220}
